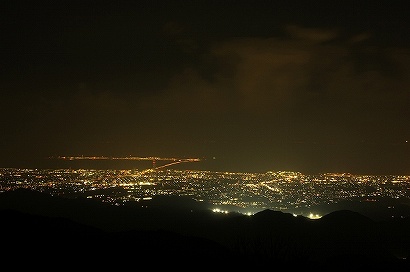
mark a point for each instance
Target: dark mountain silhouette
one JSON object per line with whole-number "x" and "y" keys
{"x": 53, "y": 242}
{"x": 382, "y": 209}
{"x": 50, "y": 231}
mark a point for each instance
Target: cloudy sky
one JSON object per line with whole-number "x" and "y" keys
{"x": 310, "y": 86}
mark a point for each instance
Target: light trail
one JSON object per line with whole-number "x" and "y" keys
{"x": 71, "y": 158}
{"x": 133, "y": 158}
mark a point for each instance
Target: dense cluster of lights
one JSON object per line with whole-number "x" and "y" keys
{"x": 249, "y": 192}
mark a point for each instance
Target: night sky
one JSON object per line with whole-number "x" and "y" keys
{"x": 253, "y": 86}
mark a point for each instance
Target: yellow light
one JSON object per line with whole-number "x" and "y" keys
{"x": 314, "y": 216}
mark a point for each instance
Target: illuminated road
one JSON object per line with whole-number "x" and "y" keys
{"x": 133, "y": 158}
{"x": 127, "y": 158}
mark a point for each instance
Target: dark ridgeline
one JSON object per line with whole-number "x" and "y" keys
{"x": 49, "y": 232}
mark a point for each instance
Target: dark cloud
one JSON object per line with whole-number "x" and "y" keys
{"x": 282, "y": 84}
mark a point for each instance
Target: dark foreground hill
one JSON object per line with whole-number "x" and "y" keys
{"x": 44, "y": 231}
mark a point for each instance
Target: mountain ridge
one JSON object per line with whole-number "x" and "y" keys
{"x": 265, "y": 237}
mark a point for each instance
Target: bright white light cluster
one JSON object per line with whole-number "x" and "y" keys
{"x": 217, "y": 210}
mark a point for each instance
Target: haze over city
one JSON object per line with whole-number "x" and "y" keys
{"x": 251, "y": 86}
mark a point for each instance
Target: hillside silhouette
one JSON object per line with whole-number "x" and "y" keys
{"x": 48, "y": 231}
